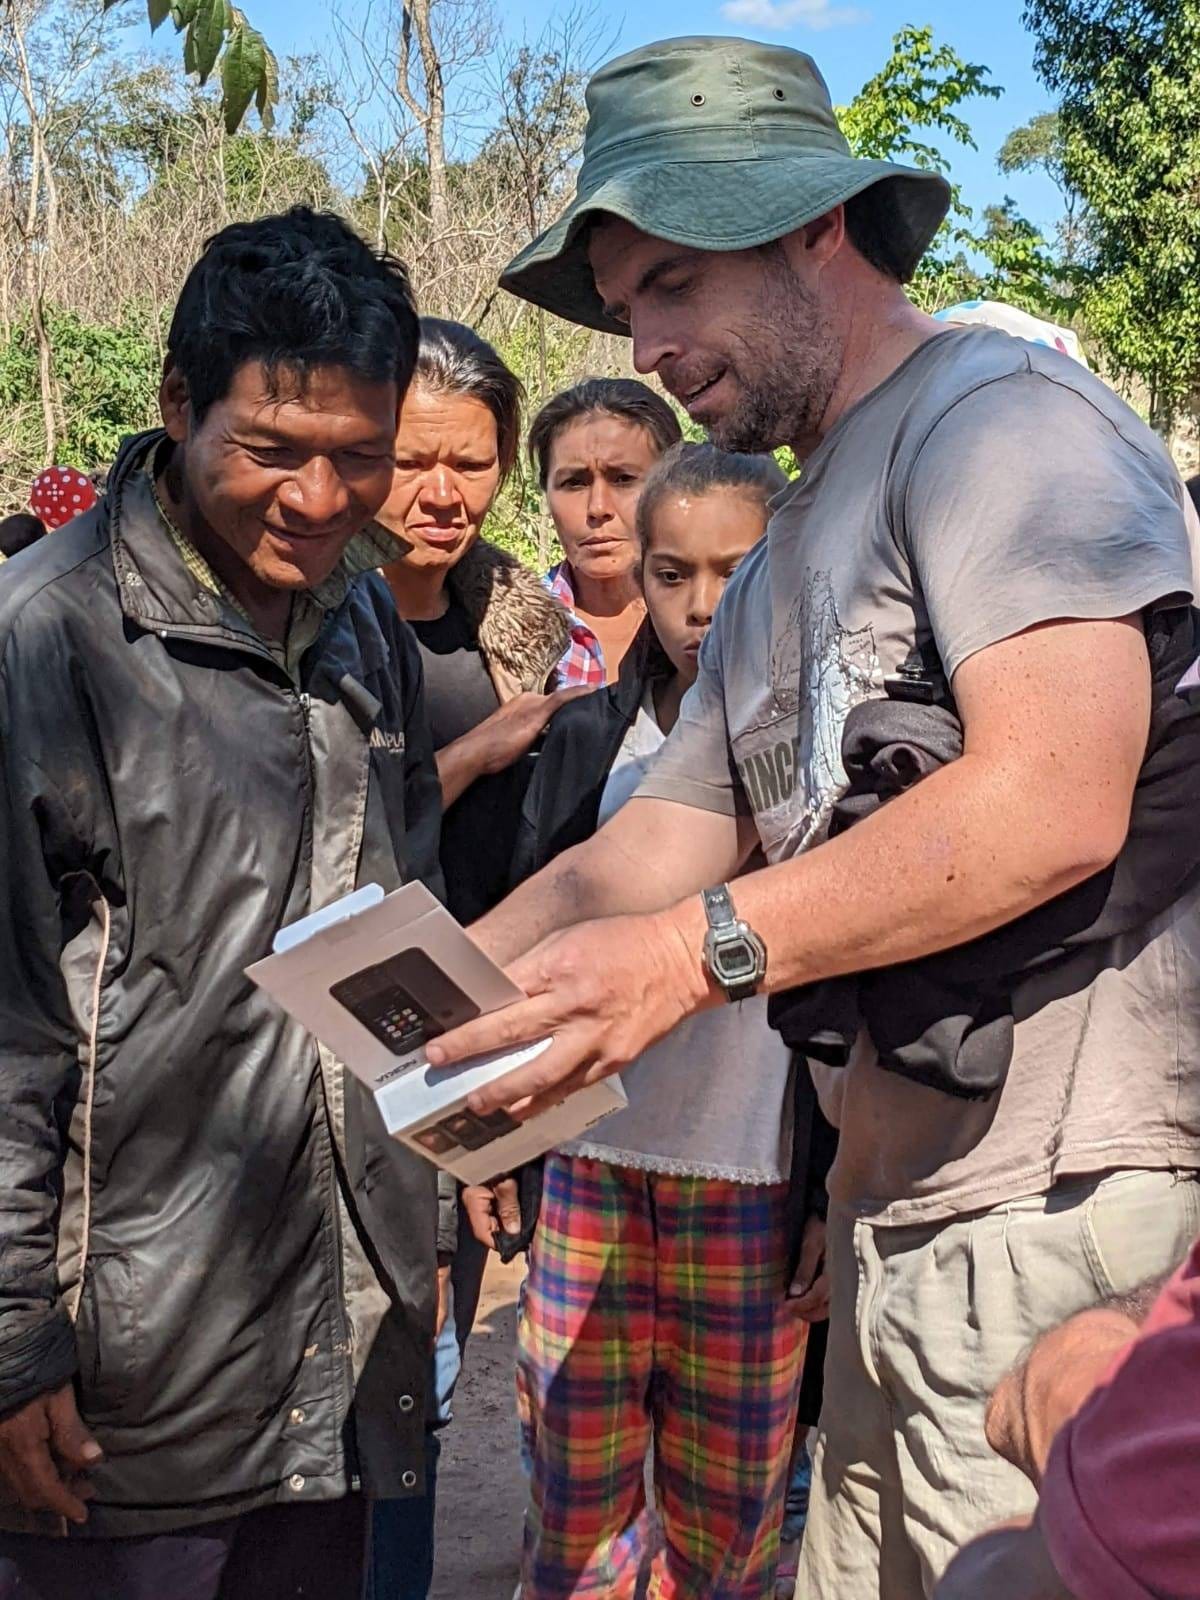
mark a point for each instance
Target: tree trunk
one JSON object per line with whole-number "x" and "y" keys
{"x": 1162, "y": 416}
{"x": 36, "y": 250}
{"x": 45, "y": 355}
{"x": 431, "y": 117}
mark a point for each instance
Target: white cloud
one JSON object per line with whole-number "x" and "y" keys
{"x": 781, "y": 15}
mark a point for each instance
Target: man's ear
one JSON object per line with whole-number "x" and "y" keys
{"x": 814, "y": 246}
{"x": 174, "y": 404}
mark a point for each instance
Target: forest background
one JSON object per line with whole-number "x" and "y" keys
{"x": 451, "y": 138}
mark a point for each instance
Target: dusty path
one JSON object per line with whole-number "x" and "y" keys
{"x": 481, "y": 1490}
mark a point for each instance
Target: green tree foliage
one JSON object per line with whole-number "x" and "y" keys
{"x": 215, "y": 33}
{"x": 917, "y": 90}
{"x": 146, "y": 169}
{"x": 1128, "y": 76}
{"x": 1022, "y": 269}
{"x": 108, "y": 381}
{"x": 1037, "y": 146}
{"x": 519, "y": 516}
{"x": 917, "y": 94}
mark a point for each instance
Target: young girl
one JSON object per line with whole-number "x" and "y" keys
{"x": 655, "y": 1309}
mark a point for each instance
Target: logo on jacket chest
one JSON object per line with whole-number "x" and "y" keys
{"x": 391, "y": 744}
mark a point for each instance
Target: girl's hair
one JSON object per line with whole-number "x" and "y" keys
{"x": 698, "y": 469}
{"x": 453, "y": 359}
{"x": 623, "y": 398}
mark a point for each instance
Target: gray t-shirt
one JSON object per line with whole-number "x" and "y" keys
{"x": 986, "y": 486}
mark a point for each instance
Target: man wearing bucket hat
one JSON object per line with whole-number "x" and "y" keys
{"x": 977, "y": 515}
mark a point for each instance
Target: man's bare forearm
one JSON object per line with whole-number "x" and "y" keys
{"x": 964, "y": 852}
{"x": 649, "y": 856}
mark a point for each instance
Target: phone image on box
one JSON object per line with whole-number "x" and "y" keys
{"x": 473, "y": 1132}
{"x": 404, "y": 1000}
{"x": 435, "y": 1141}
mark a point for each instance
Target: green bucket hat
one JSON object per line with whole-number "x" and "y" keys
{"x": 717, "y": 144}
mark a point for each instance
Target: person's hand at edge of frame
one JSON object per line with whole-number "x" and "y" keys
{"x": 493, "y": 1208}
{"x": 809, "y": 1292}
{"x": 1039, "y": 1396}
{"x": 46, "y": 1453}
{"x": 603, "y": 992}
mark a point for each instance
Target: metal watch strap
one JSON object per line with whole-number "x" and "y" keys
{"x": 724, "y": 927}
{"x": 718, "y": 905}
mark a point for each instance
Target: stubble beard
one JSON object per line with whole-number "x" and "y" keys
{"x": 786, "y": 370}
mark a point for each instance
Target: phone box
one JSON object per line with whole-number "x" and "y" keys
{"x": 376, "y": 976}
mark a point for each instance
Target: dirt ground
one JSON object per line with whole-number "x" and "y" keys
{"x": 481, "y": 1489}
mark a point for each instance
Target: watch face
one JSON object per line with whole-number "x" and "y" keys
{"x": 735, "y": 961}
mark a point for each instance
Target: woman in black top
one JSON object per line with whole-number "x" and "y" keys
{"x": 490, "y": 638}
{"x": 489, "y": 633}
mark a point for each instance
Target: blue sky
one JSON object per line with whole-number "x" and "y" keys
{"x": 849, "y": 41}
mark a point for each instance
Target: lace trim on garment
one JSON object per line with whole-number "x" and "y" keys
{"x": 671, "y": 1166}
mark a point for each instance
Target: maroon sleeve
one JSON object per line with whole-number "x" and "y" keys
{"x": 1120, "y": 1503}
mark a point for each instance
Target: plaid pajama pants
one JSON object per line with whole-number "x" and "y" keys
{"x": 655, "y": 1313}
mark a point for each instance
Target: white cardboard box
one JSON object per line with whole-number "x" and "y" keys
{"x": 374, "y": 977}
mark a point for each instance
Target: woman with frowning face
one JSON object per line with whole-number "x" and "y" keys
{"x": 490, "y": 636}
{"x": 593, "y": 446}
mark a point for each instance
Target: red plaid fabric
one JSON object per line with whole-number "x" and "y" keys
{"x": 656, "y": 1313}
{"x": 583, "y": 661}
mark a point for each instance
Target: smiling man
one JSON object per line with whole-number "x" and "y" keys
{"x": 216, "y": 1272}
{"x": 979, "y": 522}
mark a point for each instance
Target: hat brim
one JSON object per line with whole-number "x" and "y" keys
{"x": 720, "y": 205}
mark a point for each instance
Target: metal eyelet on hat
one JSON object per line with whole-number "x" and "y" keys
{"x": 697, "y": 99}
{"x": 778, "y": 93}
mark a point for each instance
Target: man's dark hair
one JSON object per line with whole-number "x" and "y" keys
{"x": 1193, "y": 488}
{"x": 872, "y": 229}
{"x": 453, "y": 359}
{"x": 699, "y": 469}
{"x": 623, "y": 398}
{"x": 19, "y": 531}
{"x": 296, "y": 292}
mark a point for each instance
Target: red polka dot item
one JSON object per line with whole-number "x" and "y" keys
{"x": 60, "y": 493}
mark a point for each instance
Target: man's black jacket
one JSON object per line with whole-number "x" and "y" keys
{"x": 947, "y": 1020}
{"x": 201, "y": 1218}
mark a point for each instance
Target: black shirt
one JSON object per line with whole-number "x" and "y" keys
{"x": 479, "y": 830}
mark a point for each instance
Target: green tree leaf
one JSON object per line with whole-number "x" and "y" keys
{"x": 208, "y": 31}
{"x": 267, "y": 96}
{"x": 243, "y": 71}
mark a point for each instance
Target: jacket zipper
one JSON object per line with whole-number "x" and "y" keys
{"x": 341, "y": 1348}
{"x": 305, "y": 700}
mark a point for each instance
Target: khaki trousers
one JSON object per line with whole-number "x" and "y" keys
{"x": 925, "y": 1321}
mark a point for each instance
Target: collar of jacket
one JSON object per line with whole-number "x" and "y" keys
{"x": 645, "y": 663}
{"x": 157, "y": 590}
{"x": 522, "y": 629}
